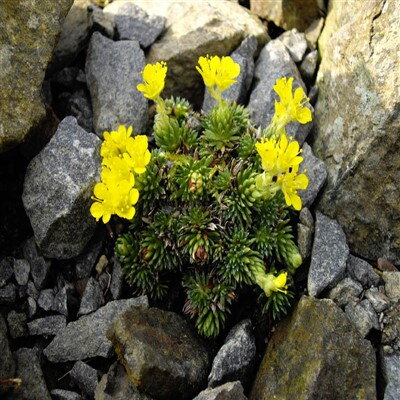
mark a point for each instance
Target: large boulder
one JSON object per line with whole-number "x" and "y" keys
{"x": 316, "y": 354}
{"x": 28, "y": 34}
{"x": 357, "y": 127}
{"x": 58, "y": 187}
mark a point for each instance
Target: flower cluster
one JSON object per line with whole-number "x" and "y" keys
{"x": 123, "y": 156}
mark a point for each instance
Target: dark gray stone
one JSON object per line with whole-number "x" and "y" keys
{"x": 306, "y": 218}
{"x": 32, "y": 307}
{"x": 235, "y": 359}
{"x": 378, "y": 300}
{"x": 32, "y": 291}
{"x": 392, "y": 284}
{"x": 61, "y": 394}
{"x": 101, "y": 21}
{"x": 79, "y": 106}
{"x": 21, "y": 271}
{"x": 7, "y": 364}
{"x": 363, "y": 316}
{"x": 309, "y": 66}
{"x": 60, "y": 303}
{"x": 40, "y": 270}
{"x": 8, "y": 294}
{"x": 6, "y": 270}
{"x": 29, "y": 370}
{"x": 112, "y": 84}
{"x": 47, "y": 326}
{"x": 316, "y": 172}
{"x": 176, "y": 360}
{"x": 227, "y": 391}
{"x": 313, "y": 95}
{"x": 92, "y": 298}
{"x": 85, "y": 377}
{"x": 274, "y": 62}
{"x": 329, "y": 255}
{"x": 30, "y": 249}
{"x": 244, "y": 56}
{"x": 362, "y": 272}
{"x": 46, "y": 299}
{"x": 391, "y": 325}
{"x": 295, "y": 43}
{"x": 57, "y": 190}
{"x": 87, "y": 260}
{"x": 117, "y": 280}
{"x": 391, "y": 374}
{"x": 304, "y": 240}
{"x": 86, "y": 337}
{"x": 345, "y": 291}
{"x": 17, "y": 324}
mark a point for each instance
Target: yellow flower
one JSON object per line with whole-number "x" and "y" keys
{"x": 268, "y": 151}
{"x": 115, "y": 170}
{"x": 137, "y": 155}
{"x": 290, "y": 182}
{"x": 154, "y": 80}
{"x": 270, "y": 283}
{"x": 115, "y": 142}
{"x": 114, "y": 199}
{"x": 218, "y": 73}
{"x": 290, "y": 107}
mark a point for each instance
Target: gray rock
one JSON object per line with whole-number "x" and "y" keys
{"x": 40, "y": 270}
{"x": 312, "y": 33}
{"x": 32, "y": 307}
{"x": 316, "y": 353}
{"x": 227, "y": 391}
{"x": 309, "y": 66}
{"x": 30, "y": 249}
{"x": 86, "y": 337}
{"x": 21, "y": 271}
{"x": 117, "y": 280}
{"x": 362, "y": 272}
{"x": 176, "y": 360}
{"x": 67, "y": 77}
{"x": 87, "y": 260}
{"x": 29, "y": 370}
{"x": 378, "y": 300}
{"x": 112, "y": 84}
{"x": 32, "y": 291}
{"x": 7, "y": 364}
{"x": 8, "y": 294}
{"x": 363, "y": 316}
{"x": 101, "y": 21}
{"x": 17, "y": 324}
{"x": 57, "y": 190}
{"x": 61, "y": 394}
{"x": 46, "y": 299}
{"x": 6, "y": 270}
{"x": 116, "y": 385}
{"x": 329, "y": 255}
{"x": 92, "y": 298}
{"x": 304, "y": 240}
{"x": 392, "y": 284}
{"x": 274, "y": 62}
{"x": 316, "y": 172}
{"x": 244, "y": 56}
{"x": 295, "y": 43}
{"x": 47, "y": 326}
{"x": 391, "y": 325}
{"x": 345, "y": 291}
{"x": 79, "y": 106}
{"x": 60, "y": 303}
{"x": 391, "y": 374}
{"x": 133, "y": 23}
{"x": 306, "y": 218}
{"x": 236, "y": 358}
{"x": 85, "y": 377}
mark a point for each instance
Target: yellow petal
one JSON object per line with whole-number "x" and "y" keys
{"x": 96, "y": 209}
{"x": 100, "y": 191}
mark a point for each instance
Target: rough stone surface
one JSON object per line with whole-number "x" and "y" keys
{"x": 362, "y": 272}
{"x": 6, "y": 270}
{"x": 391, "y": 373}
{"x": 227, "y": 391}
{"x": 345, "y": 291}
{"x": 17, "y": 324}
{"x": 392, "y": 284}
{"x": 86, "y": 261}
{"x": 117, "y": 280}
{"x": 21, "y": 271}
{"x": 32, "y": 307}
{"x": 32, "y": 291}
{"x": 236, "y": 358}
{"x": 307, "y": 359}
{"x": 391, "y": 326}
{"x": 29, "y": 370}
{"x": 92, "y": 298}
{"x": 363, "y": 316}
{"x": 39, "y": 271}
{"x": 287, "y": 14}
{"x": 47, "y": 326}
{"x": 316, "y": 172}
{"x": 194, "y": 29}
{"x": 78, "y": 105}
{"x": 309, "y": 66}
{"x": 162, "y": 355}
{"x": 133, "y": 23}
{"x": 358, "y": 93}
{"x": 85, "y": 377}
{"x": 378, "y": 300}
{"x": 86, "y": 337}
{"x": 46, "y": 299}
{"x": 313, "y": 32}
{"x": 57, "y": 190}
{"x": 244, "y": 56}
{"x": 274, "y": 62}
{"x": 112, "y": 84}
{"x": 60, "y": 303}
{"x": 296, "y": 44}
{"x": 8, "y": 294}
{"x": 7, "y": 364}
{"x": 28, "y": 34}
{"x": 329, "y": 255}
{"x": 116, "y": 385}
{"x": 61, "y": 394}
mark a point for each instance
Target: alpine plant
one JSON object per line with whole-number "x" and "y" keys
{"x": 209, "y": 205}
